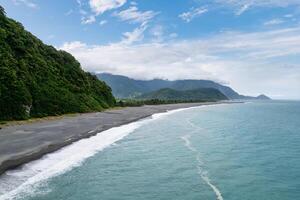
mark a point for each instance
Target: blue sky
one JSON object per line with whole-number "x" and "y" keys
{"x": 251, "y": 45}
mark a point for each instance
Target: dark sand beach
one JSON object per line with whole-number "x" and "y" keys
{"x": 20, "y": 144}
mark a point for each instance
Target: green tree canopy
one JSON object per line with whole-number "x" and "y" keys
{"x": 38, "y": 80}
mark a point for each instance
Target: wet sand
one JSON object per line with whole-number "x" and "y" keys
{"x": 20, "y": 144}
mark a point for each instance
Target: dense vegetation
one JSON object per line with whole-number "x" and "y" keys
{"x": 38, "y": 80}
{"x": 201, "y": 94}
{"x": 142, "y": 102}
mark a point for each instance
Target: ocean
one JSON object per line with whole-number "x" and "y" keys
{"x": 247, "y": 151}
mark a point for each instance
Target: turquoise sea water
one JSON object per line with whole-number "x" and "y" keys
{"x": 231, "y": 152}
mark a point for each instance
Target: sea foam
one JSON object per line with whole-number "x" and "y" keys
{"x": 23, "y": 181}
{"x": 26, "y": 181}
{"x": 203, "y": 173}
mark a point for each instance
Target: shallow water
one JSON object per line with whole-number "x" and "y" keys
{"x": 238, "y": 151}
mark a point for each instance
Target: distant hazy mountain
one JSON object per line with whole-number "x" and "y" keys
{"x": 124, "y": 87}
{"x": 263, "y": 97}
{"x": 203, "y": 94}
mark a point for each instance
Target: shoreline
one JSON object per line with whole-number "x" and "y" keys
{"x": 8, "y": 123}
{"x": 20, "y": 144}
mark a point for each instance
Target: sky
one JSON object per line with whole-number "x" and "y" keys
{"x": 252, "y": 46}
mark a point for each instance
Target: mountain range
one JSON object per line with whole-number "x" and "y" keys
{"x": 125, "y": 87}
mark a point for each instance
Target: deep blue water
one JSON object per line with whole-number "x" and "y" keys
{"x": 232, "y": 152}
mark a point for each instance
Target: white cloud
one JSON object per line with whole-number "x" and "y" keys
{"x": 133, "y": 3}
{"x": 142, "y": 61}
{"x": 82, "y": 12}
{"x": 190, "y": 15}
{"x": 242, "y": 5}
{"x": 69, "y": 12}
{"x": 274, "y": 22}
{"x": 51, "y": 36}
{"x": 288, "y": 16}
{"x": 245, "y": 60}
{"x": 257, "y": 45}
{"x": 136, "y": 35}
{"x": 261, "y": 3}
{"x": 79, "y": 2}
{"x": 158, "y": 33}
{"x": 101, "y": 6}
{"x": 88, "y": 20}
{"x": 102, "y": 22}
{"x": 27, "y": 3}
{"x": 173, "y": 35}
{"x": 242, "y": 9}
{"x": 133, "y": 15}
{"x": 76, "y": 45}
{"x": 97, "y": 7}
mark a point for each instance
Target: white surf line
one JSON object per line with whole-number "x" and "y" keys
{"x": 202, "y": 173}
{"x": 192, "y": 124}
{"x": 188, "y": 144}
{"x": 196, "y": 128}
{"x": 215, "y": 189}
{"x": 26, "y": 181}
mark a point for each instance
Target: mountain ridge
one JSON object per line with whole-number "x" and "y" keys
{"x": 125, "y": 87}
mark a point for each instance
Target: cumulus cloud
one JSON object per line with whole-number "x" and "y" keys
{"x": 142, "y": 61}
{"x": 230, "y": 46}
{"x": 232, "y": 57}
{"x": 133, "y": 15}
{"x": 101, "y": 6}
{"x": 194, "y": 12}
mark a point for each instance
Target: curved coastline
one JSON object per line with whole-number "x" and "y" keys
{"x": 21, "y": 144}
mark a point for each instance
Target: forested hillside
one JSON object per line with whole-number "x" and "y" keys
{"x": 201, "y": 94}
{"x": 124, "y": 87}
{"x": 38, "y": 80}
